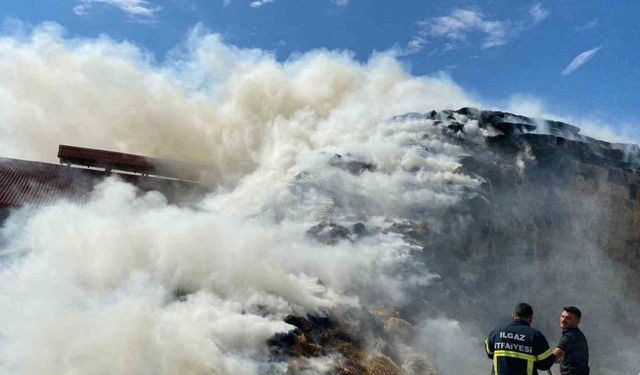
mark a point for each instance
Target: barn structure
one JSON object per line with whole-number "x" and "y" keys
{"x": 24, "y": 182}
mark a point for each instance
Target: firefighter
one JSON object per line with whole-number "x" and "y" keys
{"x": 518, "y": 349}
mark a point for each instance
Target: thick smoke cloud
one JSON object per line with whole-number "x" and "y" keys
{"x": 95, "y": 291}
{"x": 235, "y": 109}
{"x": 127, "y": 283}
{"x": 90, "y": 287}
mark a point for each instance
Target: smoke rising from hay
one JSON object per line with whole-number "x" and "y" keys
{"x": 127, "y": 283}
{"x": 91, "y": 287}
{"x": 209, "y": 102}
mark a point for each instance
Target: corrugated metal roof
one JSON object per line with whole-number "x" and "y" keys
{"x": 25, "y": 182}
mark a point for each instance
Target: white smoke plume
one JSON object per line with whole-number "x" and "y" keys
{"x": 232, "y": 108}
{"x": 90, "y": 287}
{"x": 94, "y": 292}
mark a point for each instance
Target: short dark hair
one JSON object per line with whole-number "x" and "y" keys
{"x": 573, "y": 310}
{"x": 523, "y": 311}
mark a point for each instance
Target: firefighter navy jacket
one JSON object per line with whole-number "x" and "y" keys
{"x": 518, "y": 349}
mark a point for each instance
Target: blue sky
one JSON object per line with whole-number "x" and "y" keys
{"x": 577, "y": 57}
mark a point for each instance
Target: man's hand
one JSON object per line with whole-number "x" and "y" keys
{"x": 559, "y": 353}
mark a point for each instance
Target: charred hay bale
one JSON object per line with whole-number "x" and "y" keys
{"x": 328, "y": 233}
{"x": 382, "y": 365}
{"x": 349, "y": 351}
{"x": 294, "y": 344}
{"x": 418, "y": 365}
{"x": 300, "y": 322}
{"x": 416, "y": 232}
{"x": 393, "y": 326}
{"x": 350, "y": 368}
{"x": 399, "y": 329}
{"x": 350, "y": 164}
{"x": 384, "y": 313}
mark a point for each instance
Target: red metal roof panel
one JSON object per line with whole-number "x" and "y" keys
{"x": 89, "y": 156}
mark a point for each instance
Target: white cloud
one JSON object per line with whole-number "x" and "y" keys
{"x": 464, "y": 23}
{"x": 141, "y": 9}
{"x": 580, "y": 60}
{"x": 259, "y": 3}
{"x": 538, "y": 12}
{"x": 415, "y": 45}
{"x": 589, "y": 25}
{"x": 457, "y": 27}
